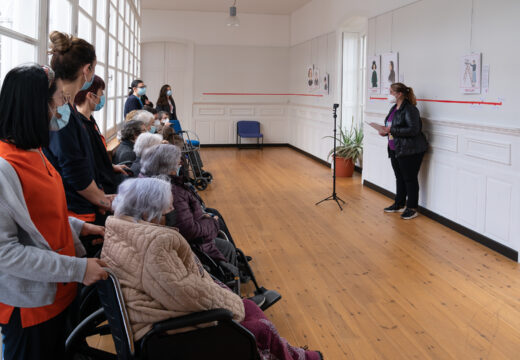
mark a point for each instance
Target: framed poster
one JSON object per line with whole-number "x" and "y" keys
{"x": 310, "y": 77}
{"x": 316, "y": 84}
{"x": 470, "y": 74}
{"x": 326, "y": 84}
{"x": 374, "y": 74}
{"x": 389, "y": 71}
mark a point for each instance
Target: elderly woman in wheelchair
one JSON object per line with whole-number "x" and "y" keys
{"x": 160, "y": 276}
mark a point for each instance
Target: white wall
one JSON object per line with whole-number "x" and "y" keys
{"x": 472, "y": 173}
{"x": 253, "y": 58}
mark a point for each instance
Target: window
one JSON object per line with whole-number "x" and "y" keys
{"x": 111, "y": 25}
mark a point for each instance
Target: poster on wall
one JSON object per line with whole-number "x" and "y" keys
{"x": 389, "y": 71}
{"x": 316, "y": 84}
{"x": 374, "y": 74}
{"x": 326, "y": 84}
{"x": 470, "y": 74}
{"x": 310, "y": 77}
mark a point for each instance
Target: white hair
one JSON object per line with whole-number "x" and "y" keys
{"x": 143, "y": 198}
{"x": 145, "y": 116}
{"x": 144, "y": 141}
{"x": 162, "y": 159}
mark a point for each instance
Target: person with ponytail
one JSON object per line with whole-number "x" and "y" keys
{"x": 87, "y": 102}
{"x": 165, "y": 102}
{"x": 70, "y": 152}
{"x": 406, "y": 148}
{"x": 134, "y": 102}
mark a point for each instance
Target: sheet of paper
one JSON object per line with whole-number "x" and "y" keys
{"x": 376, "y": 126}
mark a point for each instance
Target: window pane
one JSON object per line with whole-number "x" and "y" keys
{"x": 59, "y": 16}
{"x": 100, "y": 71}
{"x": 112, "y": 51}
{"x": 86, "y": 5}
{"x": 113, "y": 20}
{"x": 110, "y": 114}
{"x": 100, "y": 119}
{"x": 21, "y": 16}
{"x": 119, "y": 111}
{"x": 127, "y": 12}
{"x": 84, "y": 27}
{"x": 120, "y": 29}
{"x": 125, "y": 67}
{"x": 101, "y": 12}
{"x": 14, "y": 53}
{"x": 100, "y": 44}
{"x": 119, "y": 56}
{"x": 111, "y": 83}
{"x": 119, "y": 85}
{"x": 127, "y": 36}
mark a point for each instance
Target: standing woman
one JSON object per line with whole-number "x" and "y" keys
{"x": 406, "y": 147}
{"x": 133, "y": 102}
{"x": 165, "y": 102}
{"x": 87, "y": 102}
{"x": 38, "y": 241}
{"x": 70, "y": 152}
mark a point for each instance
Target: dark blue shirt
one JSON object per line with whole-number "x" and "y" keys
{"x": 132, "y": 103}
{"x": 70, "y": 152}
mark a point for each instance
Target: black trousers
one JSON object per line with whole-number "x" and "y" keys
{"x": 42, "y": 341}
{"x": 406, "y": 170}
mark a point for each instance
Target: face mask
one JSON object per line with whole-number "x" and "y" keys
{"x": 141, "y": 91}
{"x": 58, "y": 124}
{"x": 153, "y": 129}
{"x": 392, "y": 99}
{"x": 87, "y": 83}
{"x": 101, "y": 103}
{"x": 157, "y": 123}
{"x": 169, "y": 93}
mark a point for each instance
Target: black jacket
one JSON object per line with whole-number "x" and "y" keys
{"x": 124, "y": 153}
{"x": 132, "y": 103}
{"x": 166, "y": 108}
{"x": 406, "y": 129}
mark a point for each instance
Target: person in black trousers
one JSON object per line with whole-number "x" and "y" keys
{"x": 406, "y": 148}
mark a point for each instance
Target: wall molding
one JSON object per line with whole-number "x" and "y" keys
{"x": 473, "y": 235}
{"x": 488, "y": 150}
{"x": 503, "y": 130}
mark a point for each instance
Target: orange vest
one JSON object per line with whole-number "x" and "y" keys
{"x": 45, "y": 198}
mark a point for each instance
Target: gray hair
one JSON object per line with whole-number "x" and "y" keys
{"x": 145, "y": 116}
{"x": 144, "y": 141}
{"x": 143, "y": 198}
{"x": 160, "y": 159}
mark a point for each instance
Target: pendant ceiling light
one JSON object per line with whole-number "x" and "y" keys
{"x": 233, "y": 18}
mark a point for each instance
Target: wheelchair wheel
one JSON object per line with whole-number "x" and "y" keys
{"x": 201, "y": 184}
{"x": 207, "y": 175}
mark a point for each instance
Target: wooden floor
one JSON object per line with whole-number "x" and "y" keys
{"x": 359, "y": 283}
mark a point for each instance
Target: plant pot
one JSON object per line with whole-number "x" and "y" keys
{"x": 344, "y": 167}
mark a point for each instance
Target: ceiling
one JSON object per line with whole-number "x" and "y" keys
{"x": 273, "y": 7}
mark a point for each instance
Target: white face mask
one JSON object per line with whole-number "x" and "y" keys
{"x": 392, "y": 99}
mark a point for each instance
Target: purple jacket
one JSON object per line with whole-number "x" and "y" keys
{"x": 191, "y": 221}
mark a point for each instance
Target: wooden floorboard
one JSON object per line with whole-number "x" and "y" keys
{"x": 359, "y": 283}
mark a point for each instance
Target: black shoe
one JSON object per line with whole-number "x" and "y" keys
{"x": 394, "y": 208}
{"x": 259, "y": 300}
{"x": 409, "y": 214}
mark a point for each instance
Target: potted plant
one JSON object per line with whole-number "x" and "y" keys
{"x": 348, "y": 151}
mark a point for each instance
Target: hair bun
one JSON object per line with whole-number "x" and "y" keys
{"x": 60, "y": 42}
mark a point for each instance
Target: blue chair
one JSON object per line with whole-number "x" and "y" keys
{"x": 249, "y": 129}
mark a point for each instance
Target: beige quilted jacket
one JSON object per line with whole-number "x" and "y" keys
{"x": 159, "y": 274}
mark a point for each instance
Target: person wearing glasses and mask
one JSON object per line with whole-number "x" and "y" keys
{"x": 40, "y": 252}
{"x": 70, "y": 152}
{"x": 87, "y": 102}
{"x": 134, "y": 101}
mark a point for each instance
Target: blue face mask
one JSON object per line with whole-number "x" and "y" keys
{"x": 153, "y": 129}
{"x": 169, "y": 93}
{"x": 141, "y": 91}
{"x": 87, "y": 83}
{"x": 58, "y": 124}
{"x": 101, "y": 103}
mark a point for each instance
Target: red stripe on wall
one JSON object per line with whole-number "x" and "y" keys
{"x": 263, "y": 94}
{"x": 449, "y": 101}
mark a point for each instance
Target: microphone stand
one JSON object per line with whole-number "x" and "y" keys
{"x": 334, "y": 196}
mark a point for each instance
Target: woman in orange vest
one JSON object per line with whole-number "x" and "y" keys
{"x": 39, "y": 243}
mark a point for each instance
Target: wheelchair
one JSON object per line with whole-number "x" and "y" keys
{"x": 224, "y": 339}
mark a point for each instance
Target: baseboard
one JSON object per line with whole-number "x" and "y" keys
{"x": 243, "y": 146}
{"x": 473, "y": 235}
{"x": 309, "y": 155}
